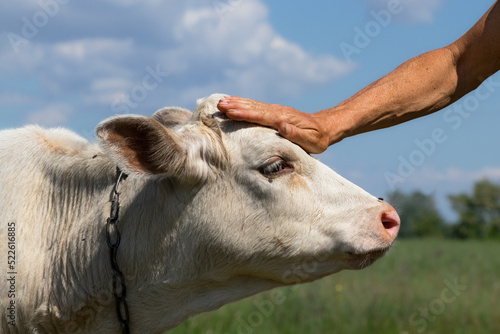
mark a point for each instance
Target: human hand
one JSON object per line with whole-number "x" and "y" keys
{"x": 310, "y": 131}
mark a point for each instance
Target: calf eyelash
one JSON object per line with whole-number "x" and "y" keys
{"x": 275, "y": 168}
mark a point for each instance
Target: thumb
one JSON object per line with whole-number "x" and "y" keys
{"x": 292, "y": 133}
{"x": 303, "y": 138}
{"x": 285, "y": 130}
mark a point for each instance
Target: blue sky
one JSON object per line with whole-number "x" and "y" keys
{"x": 73, "y": 64}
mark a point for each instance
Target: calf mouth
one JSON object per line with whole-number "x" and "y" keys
{"x": 360, "y": 260}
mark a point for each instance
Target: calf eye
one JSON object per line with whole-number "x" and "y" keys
{"x": 275, "y": 168}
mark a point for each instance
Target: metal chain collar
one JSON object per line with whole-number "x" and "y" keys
{"x": 113, "y": 238}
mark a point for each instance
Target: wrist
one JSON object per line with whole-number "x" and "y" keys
{"x": 337, "y": 123}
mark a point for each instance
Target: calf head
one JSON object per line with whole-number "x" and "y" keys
{"x": 263, "y": 209}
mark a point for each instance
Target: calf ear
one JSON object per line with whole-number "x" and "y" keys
{"x": 172, "y": 116}
{"x": 141, "y": 145}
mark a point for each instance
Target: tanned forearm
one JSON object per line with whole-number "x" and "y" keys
{"x": 418, "y": 87}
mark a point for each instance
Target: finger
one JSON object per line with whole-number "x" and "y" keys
{"x": 233, "y": 102}
{"x": 243, "y": 109}
{"x": 247, "y": 114}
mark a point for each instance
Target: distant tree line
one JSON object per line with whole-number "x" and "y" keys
{"x": 478, "y": 213}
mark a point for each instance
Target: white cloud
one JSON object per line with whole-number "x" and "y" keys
{"x": 215, "y": 46}
{"x": 89, "y": 68}
{"x": 103, "y": 91}
{"x": 251, "y": 57}
{"x": 492, "y": 173}
{"x": 52, "y": 115}
{"x": 410, "y": 11}
{"x": 90, "y": 49}
{"x": 431, "y": 177}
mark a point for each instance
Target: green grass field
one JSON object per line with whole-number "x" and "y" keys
{"x": 421, "y": 286}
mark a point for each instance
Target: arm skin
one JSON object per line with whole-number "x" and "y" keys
{"x": 418, "y": 87}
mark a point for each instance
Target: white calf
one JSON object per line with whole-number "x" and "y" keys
{"x": 212, "y": 211}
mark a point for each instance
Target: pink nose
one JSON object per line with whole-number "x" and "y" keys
{"x": 390, "y": 220}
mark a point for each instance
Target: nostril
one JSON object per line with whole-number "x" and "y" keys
{"x": 391, "y": 222}
{"x": 388, "y": 224}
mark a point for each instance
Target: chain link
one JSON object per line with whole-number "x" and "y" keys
{"x": 113, "y": 238}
